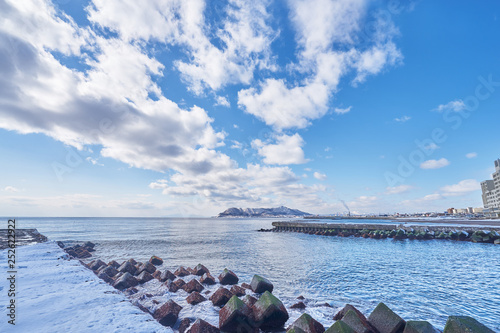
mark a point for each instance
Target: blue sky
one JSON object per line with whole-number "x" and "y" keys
{"x": 186, "y": 108}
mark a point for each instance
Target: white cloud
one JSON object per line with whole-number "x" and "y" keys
{"x": 363, "y": 203}
{"x": 432, "y": 197}
{"x": 115, "y": 102}
{"x": 11, "y": 189}
{"x": 435, "y": 164}
{"x": 286, "y": 150}
{"x": 236, "y": 145}
{"x": 222, "y": 101}
{"x": 456, "y": 105}
{"x": 320, "y": 23}
{"x": 109, "y": 106}
{"x": 246, "y": 36}
{"x": 253, "y": 185}
{"x": 471, "y": 155}
{"x": 403, "y": 119}
{"x": 283, "y": 107}
{"x": 342, "y": 111}
{"x": 326, "y": 36}
{"x": 94, "y": 161}
{"x": 320, "y": 176}
{"x": 244, "y": 33}
{"x": 463, "y": 187}
{"x": 398, "y": 189}
{"x": 431, "y": 146}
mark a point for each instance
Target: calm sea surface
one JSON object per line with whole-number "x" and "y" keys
{"x": 419, "y": 280}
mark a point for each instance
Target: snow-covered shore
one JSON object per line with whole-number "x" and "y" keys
{"x": 54, "y": 294}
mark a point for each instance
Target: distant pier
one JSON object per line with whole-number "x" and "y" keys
{"x": 357, "y": 227}
{"x": 476, "y": 234}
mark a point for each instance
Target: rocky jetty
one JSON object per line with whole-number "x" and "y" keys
{"x": 263, "y": 212}
{"x": 22, "y": 237}
{"x": 400, "y": 232}
{"x": 245, "y": 308}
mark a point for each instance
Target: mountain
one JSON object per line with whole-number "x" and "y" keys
{"x": 262, "y": 212}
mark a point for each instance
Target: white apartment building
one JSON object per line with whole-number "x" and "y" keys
{"x": 491, "y": 189}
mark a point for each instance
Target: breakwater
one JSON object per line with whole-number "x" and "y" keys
{"x": 22, "y": 237}
{"x": 395, "y": 231}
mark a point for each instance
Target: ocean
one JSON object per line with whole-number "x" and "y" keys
{"x": 419, "y": 280}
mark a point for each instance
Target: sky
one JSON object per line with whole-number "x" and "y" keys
{"x": 186, "y": 108}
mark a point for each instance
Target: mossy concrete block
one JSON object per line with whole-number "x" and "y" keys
{"x": 195, "y": 298}
{"x": 249, "y": 300}
{"x": 339, "y": 315}
{"x": 465, "y": 324}
{"x": 181, "y": 272}
{"x": 168, "y": 313}
{"x": 358, "y": 323}
{"x": 236, "y": 316}
{"x": 340, "y": 327}
{"x": 419, "y": 326}
{"x": 201, "y": 326}
{"x": 228, "y": 277}
{"x": 200, "y": 270}
{"x": 385, "y": 320}
{"x": 294, "y": 330}
{"x": 308, "y": 324}
{"x": 193, "y": 285}
{"x": 221, "y": 297}
{"x": 207, "y": 279}
{"x": 260, "y": 284}
{"x": 269, "y": 312}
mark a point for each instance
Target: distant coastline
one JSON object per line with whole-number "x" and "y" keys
{"x": 263, "y": 212}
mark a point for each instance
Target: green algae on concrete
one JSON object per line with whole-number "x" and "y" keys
{"x": 308, "y": 324}
{"x": 235, "y": 316}
{"x": 340, "y": 327}
{"x": 385, "y": 320}
{"x": 269, "y": 312}
{"x": 465, "y": 324}
{"x": 419, "y": 326}
{"x": 357, "y": 323}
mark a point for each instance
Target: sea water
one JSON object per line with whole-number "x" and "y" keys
{"x": 419, "y": 280}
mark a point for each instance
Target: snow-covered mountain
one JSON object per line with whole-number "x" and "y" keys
{"x": 262, "y": 212}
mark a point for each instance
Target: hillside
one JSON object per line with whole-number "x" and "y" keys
{"x": 262, "y": 212}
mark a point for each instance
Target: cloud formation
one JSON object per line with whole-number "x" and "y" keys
{"x": 434, "y": 164}
{"x": 471, "y": 155}
{"x": 102, "y": 85}
{"x": 456, "y": 105}
{"x": 326, "y": 33}
{"x": 286, "y": 150}
{"x": 403, "y": 119}
{"x": 398, "y": 189}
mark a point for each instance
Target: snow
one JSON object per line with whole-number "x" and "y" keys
{"x": 55, "y": 294}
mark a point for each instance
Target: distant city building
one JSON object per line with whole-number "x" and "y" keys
{"x": 491, "y": 189}
{"x": 450, "y": 211}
